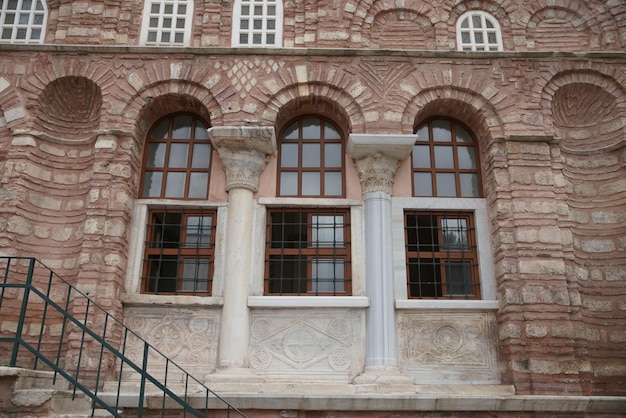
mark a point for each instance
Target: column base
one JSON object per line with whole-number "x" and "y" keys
{"x": 383, "y": 379}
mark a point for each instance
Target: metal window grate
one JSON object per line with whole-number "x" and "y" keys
{"x": 442, "y": 260}
{"x": 308, "y": 252}
{"x": 179, "y": 251}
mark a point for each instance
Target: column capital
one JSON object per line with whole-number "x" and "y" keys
{"x": 244, "y": 151}
{"x": 377, "y": 157}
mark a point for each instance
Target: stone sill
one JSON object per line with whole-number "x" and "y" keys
{"x": 396, "y": 402}
{"x": 171, "y": 300}
{"x": 308, "y": 302}
{"x": 453, "y": 305}
{"x": 343, "y": 52}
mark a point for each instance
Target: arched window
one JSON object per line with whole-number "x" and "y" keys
{"x": 166, "y": 22}
{"x": 23, "y": 21}
{"x": 478, "y": 31}
{"x": 308, "y": 248}
{"x": 179, "y": 247}
{"x": 441, "y": 242}
{"x": 258, "y": 23}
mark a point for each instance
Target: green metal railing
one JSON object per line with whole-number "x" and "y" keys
{"x": 61, "y": 329}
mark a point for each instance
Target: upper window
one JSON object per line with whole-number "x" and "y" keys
{"x": 177, "y": 159}
{"x": 478, "y": 31}
{"x": 257, "y": 23}
{"x": 311, "y": 159}
{"x": 445, "y": 161}
{"x": 23, "y": 21}
{"x": 166, "y": 22}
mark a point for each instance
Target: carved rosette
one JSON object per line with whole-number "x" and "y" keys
{"x": 244, "y": 151}
{"x": 376, "y": 172}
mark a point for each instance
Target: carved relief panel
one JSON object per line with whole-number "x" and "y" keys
{"x": 316, "y": 344}
{"x": 188, "y": 337}
{"x": 448, "y": 347}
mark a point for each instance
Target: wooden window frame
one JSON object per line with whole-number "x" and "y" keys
{"x": 456, "y": 170}
{"x": 165, "y": 169}
{"x": 155, "y": 250}
{"x": 438, "y": 255}
{"x": 309, "y": 252}
{"x": 321, "y": 169}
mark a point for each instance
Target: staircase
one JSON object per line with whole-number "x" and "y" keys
{"x": 63, "y": 355}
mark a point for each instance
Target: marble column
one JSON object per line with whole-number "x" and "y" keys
{"x": 244, "y": 152}
{"x": 376, "y": 158}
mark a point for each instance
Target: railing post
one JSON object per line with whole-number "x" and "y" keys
{"x": 20, "y": 322}
{"x": 144, "y": 371}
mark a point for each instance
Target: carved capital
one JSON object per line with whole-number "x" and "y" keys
{"x": 376, "y": 172}
{"x": 244, "y": 151}
{"x": 377, "y": 157}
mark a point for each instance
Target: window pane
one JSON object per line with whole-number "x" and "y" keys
{"x": 175, "y": 185}
{"x": 182, "y": 9}
{"x": 271, "y": 10}
{"x": 445, "y": 184}
{"x": 327, "y": 231}
{"x": 469, "y": 185}
{"x": 287, "y": 274}
{"x": 478, "y": 37}
{"x": 269, "y": 39}
{"x": 467, "y": 157}
{"x": 182, "y": 127}
{"x": 327, "y": 275}
{"x": 24, "y": 19}
{"x": 195, "y": 275}
{"x": 333, "y": 184}
{"x": 441, "y": 130}
{"x": 178, "y": 155}
{"x": 289, "y": 230}
{"x": 421, "y": 156}
{"x": 288, "y": 184}
{"x": 289, "y": 155}
{"x": 311, "y": 128}
{"x": 332, "y": 155}
{"x": 476, "y": 21}
{"x": 465, "y": 37}
{"x": 311, "y": 184}
{"x": 291, "y": 132}
{"x": 152, "y": 37}
{"x": 311, "y": 155}
{"x": 156, "y": 154}
{"x": 168, "y": 9}
{"x": 459, "y": 278}
{"x": 444, "y": 157}
{"x": 422, "y": 184}
{"x": 330, "y": 132}
{"x": 198, "y": 231}
{"x": 201, "y": 131}
{"x": 160, "y": 131}
{"x": 244, "y": 24}
{"x": 256, "y": 39}
{"x": 491, "y": 37}
{"x": 243, "y": 38}
{"x": 165, "y": 37}
{"x": 162, "y": 273}
{"x": 201, "y": 156}
{"x": 152, "y": 184}
{"x": 153, "y": 23}
{"x": 422, "y": 133}
{"x": 454, "y": 234}
{"x": 462, "y": 135}
{"x": 257, "y": 24}
{"x": 167, "y": 23}
{"x": 198, "y": 185}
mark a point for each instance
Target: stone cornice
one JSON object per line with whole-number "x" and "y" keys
{"x": 244, "y": 151}
{"x": 377, "y": 157}
{"x": 343, "y": 52}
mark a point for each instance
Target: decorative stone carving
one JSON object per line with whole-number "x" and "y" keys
{"x": 319, "y": 345}
{"x": 244, "y": 151}
{"x": 448, "y": 347}
{"x": 188, "y": 337}
{"x": 376, "y": 172}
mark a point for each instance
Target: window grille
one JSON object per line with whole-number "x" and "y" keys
{"x": 441, "y": 253}
{"x": 179, "y": 251}
{"x": 23, "y": 21}
{"x": 308, "y": 252}
{"x": 478, "y": 31}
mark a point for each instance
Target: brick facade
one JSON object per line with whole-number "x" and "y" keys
{"x": 548, "y": 113}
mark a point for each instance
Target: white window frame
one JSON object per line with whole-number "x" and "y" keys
{"x": 473, "y": 45}
{"x": 139, "y": 229}
{"x": 478, "y": 206}
{"x": 18, "y": 26}
{"x": 263, "y": 31}
{"x": 148, "y": 16}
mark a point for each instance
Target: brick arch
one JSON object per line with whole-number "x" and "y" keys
{"x": 561, "y": 26}
{"x": 336, "y": 102}
{"x": 463, "y": 105}
{"x": 152, "y": 102}
{"x": 12, "y": 106}
{"x": 585, "y": 108}
{"x": 383, "y": 18}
